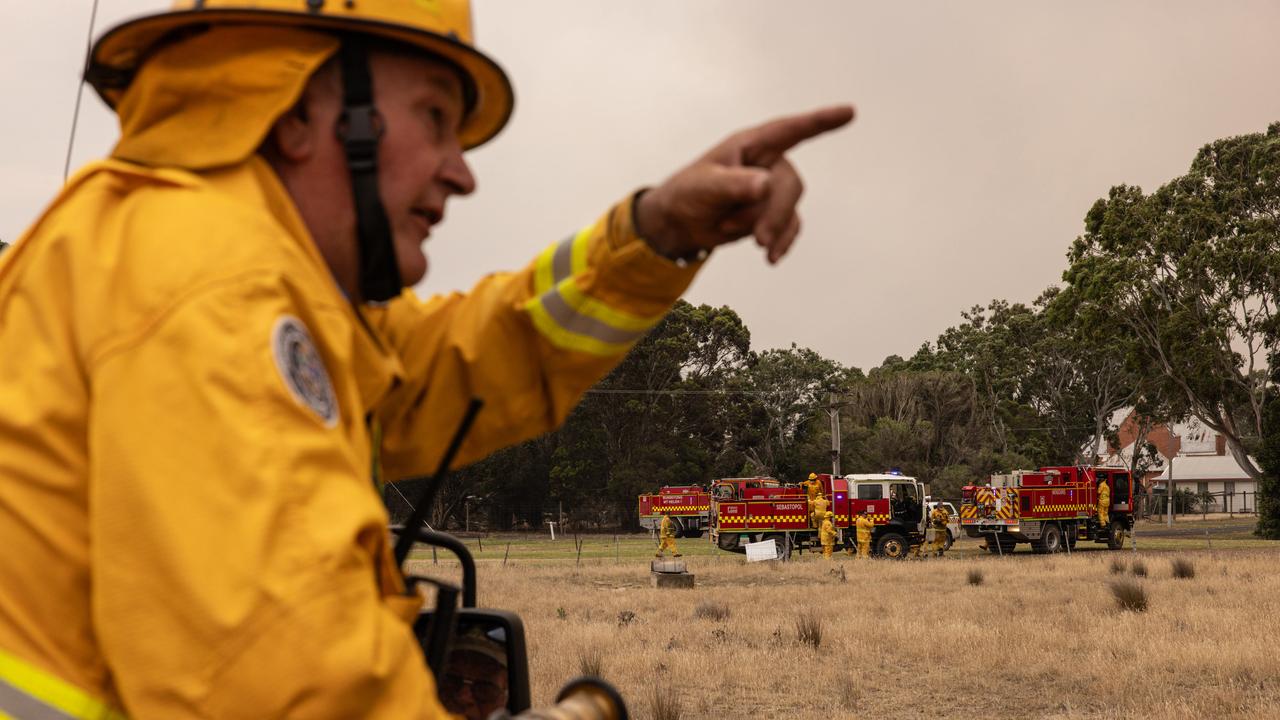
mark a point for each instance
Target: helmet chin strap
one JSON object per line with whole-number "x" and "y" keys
{"x": 360, "y": 129}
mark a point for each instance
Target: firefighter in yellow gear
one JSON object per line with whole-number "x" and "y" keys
{"x": 938, "y": 519}
{"x": 827, "y": 535}
{"x": 210, "y": 348}
{"x": 812, "y": 491}
{"x": 1104, "y": 504}
{"x": 667, "y": 538}
{"x": 818, "y": 510}
{"x": 812, "y": 487}
{"x": 865, "y": 526}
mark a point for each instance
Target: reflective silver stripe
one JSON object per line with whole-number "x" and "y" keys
{"x": 562, "y": 261}
{"x": 573, "y": 321}
{"x": 24, "y": 707}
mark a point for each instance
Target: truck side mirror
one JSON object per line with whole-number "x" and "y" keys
{"x": 487, "y": 665}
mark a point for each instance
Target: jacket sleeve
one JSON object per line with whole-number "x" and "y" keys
{"x": 235, "y": 529}
{"x": 528, "y": 343}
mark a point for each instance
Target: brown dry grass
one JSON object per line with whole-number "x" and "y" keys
{"x": 1041, "y": 638}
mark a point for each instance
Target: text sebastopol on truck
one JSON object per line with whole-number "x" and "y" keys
{"x": 745, "y": 510}
{"x": 1050, "y": 508}
{"x": 688, "y": 506}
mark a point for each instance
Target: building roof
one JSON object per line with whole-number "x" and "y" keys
{"x": 1204, "y": 467}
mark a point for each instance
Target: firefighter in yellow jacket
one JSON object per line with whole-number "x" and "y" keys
{"x": 208, "y": 352}
{"x": 818, "y": 507}
{"x": 1104, "y": 504}
{"x": 938, "y": 519}
{"x": 812, "y": 491}
{"x": 865, "y": 526}
{"x": 667, "y": 537}
{"x": 827, "y": 535}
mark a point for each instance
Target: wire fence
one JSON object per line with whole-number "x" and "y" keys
{"x": 1188, "y": 502}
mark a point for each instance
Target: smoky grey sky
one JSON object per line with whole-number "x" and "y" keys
{"x": 986, "y": 129}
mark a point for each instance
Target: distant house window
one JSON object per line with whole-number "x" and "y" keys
{"x": 1202, "y": 488}
{"x": 1229, "y": 487}
{"x": 870, "y": 492}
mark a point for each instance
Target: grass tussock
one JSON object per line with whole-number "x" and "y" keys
{"x": 1130, "y": 595}
{"x": 809, "y": 629}
{"x": 1139, "y": 569}
{"x": 1117, "y": 566}
{"x": 664, "y": 703}
{"x": 626, "y": 617}
{"x": 1183, "y": 568}
{"x": 591, "y": 662}
{"x": 976, "y": 577}
{"x": 711, "y": 611}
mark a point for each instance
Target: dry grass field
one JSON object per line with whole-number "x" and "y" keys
{"x": 1037, "y": 637}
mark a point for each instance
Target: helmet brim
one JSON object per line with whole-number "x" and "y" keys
{"x": 117, "y": 55}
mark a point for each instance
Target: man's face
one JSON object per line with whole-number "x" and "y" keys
{"x": 420, "y": 162}
{"x": 474, "y": 685}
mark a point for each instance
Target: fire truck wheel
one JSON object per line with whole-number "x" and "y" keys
{"x": 1115, "y": 536}
{"x": 893, "y": 545}
{"x": 1050, "y": 540}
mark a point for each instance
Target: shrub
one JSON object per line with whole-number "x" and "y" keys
{"x": 1183, "y": 569}
{"x": 626, "y": 617}
{"x": 1139, "y": 569}
{"x": 1130, "y": 595}
{"x": 711, "y": 611}
{"x": 664, "y": 704}
{"x": 976, "y": 577}
{"x": 591, "y": 662}
{"x": 1117, "y": 566}
{"x": 809, "y": 629}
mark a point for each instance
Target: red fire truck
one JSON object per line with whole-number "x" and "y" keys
{"x": 744, "y": 511}
{"x": 687, "y": 505}
{"x": 1050, "y": 508}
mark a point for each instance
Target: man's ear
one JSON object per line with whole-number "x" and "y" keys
{"x": 292, "y": 137}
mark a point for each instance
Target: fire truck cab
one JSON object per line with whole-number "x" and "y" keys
{"x": 744, "y": 511}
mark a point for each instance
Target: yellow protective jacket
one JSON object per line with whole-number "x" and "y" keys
{"x": 186, "y": 510}
{"x": 827, "y": 533}
{"x": 819, "y": 506}
{"x": 1104, "y": 496}
{"x": 666, "y": 529}
{"x": 940, "y": 517}
{"x": 864, "y": 525}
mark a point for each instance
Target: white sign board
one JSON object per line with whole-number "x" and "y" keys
{"x": 764, "y": 550}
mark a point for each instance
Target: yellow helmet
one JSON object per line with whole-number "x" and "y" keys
{"x": 813, "y": 476}
{"x": 440, "y": 27}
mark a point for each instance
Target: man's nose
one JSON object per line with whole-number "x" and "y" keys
{"x": 456, "y": 174}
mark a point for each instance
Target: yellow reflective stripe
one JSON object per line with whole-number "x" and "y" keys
{"x": 593, "y": 308}
{"x": 58, "y": 694}
{"x": 580, "y": 245}
{"x": 562, "y": 260}
{"x": 543, "y": 279}
{"x": 563, "y": 338}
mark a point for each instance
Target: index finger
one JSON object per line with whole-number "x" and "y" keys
{"x": 764, "y": 144}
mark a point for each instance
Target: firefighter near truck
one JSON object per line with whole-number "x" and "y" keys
{"x": 687, "y": 505}
{"x": 1050, "y": 509}
{"x": 757, "y": 509}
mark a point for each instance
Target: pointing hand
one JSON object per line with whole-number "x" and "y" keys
{"x": 743, "y": 186}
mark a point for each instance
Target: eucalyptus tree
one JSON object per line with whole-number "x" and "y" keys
{"x": 1190, "y": 273}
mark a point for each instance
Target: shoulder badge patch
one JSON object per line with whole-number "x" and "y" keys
{"x": 302, "y": 369}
